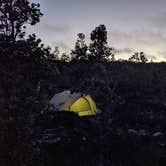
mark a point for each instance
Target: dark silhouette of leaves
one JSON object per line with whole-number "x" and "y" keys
{"x": 80, "y": 51}
{"x": 99, "y": 49}
{"x": 14, "y": 15}
{"x": 138, "y": 57}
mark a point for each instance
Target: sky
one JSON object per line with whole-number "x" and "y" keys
{"x": 132, "y": 25}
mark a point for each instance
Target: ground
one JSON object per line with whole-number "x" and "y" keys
{"x": 130, "y": 130}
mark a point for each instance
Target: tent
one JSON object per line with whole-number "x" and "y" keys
{"x": 79, "y": 103}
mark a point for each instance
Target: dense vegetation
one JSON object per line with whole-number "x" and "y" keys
{"x": 130, "y": 130}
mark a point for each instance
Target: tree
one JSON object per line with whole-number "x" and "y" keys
{"x": 143, "y": 58}
{"x": 138, "y": 57}
{"x": 31, "y": 47}
{"x": 134, "y": 57}
{"x": 99, "y": 49}
{"x": 14, "y": 15}
{"x": 80, "y": 51}
{"x": 55, "y": 54}
{"x": 65, "y": 57}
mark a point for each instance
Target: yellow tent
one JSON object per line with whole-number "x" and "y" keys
{"x": 83, "y": 105}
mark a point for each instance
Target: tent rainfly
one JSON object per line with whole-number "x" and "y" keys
{"x": 81, "y": 104}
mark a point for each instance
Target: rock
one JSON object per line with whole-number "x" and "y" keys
{"x": 157, "y": 134}
{"x": 142, "y": 132}
{"x": 162, "y": 144}
{"x": 53, "y": 141}
{"x": 84, "y": 139}
{"x": 132, "y": 131}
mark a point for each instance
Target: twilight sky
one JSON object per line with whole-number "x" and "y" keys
{"x": 132, "y": 25}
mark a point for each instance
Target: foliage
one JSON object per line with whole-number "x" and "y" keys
{"x": 138, "y": 57}
{"x": 36, "y": 48}
{"x": 99, "y": 49}
{"x": 65, "y": 57}
{"x": 125, "y": 127}
{"x": 80, "y": 51}
{"x": 98, "y": 84}
{"x": 31, "y": 47}
{"x": 14, "y": 15}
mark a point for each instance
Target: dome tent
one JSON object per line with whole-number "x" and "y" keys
{"x": 79, "y": 103}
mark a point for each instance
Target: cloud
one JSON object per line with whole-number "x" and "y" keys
{"x": 62, "y": 45}
{"x": 162, "y": 53}
{"x": 57, "y": 28}
{"x": 159, "y": 20}
{"x": 122, "y": 50}
{"x": 128, "y": 52}
{"x": 150, "y": 56}
{"x": 146, "y": 40}
{"x": 140, "y": 37}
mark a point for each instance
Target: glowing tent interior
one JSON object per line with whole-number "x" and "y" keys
{"x": 81, "y": 104}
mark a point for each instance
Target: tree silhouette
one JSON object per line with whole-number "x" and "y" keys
{"x": 134, "y": 57}
{"x": 138, "y": 57}
{"x": 35, "y": 48}
{"x": 143, "y": 58}
{"x": 55, "y": 54}
{"x": 99, "y": 49}
{"x": 65, "y": 57}
{"x": 80, "y": 51}
{"x": 14, "y": 15}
